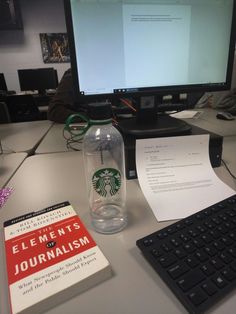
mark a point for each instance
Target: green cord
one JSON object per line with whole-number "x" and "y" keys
{"x": 77, "y": 134}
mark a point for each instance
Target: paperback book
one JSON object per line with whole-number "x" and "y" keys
{"x": 50, "y": 257}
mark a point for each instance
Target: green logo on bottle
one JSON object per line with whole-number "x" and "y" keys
{"x": 106, "y": 181}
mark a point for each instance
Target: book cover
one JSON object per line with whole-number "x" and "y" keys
{"x": 50, "y": 257}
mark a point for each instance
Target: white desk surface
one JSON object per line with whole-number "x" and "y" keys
{"x": 135, "y": 288}
{"x": 54, "y": 141}
{"x": 23, "y": 136}
{"x": 9, "y": 163}
{"x": 208, "y": 121}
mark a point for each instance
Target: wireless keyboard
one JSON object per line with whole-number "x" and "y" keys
{"x": 196, "y": 257}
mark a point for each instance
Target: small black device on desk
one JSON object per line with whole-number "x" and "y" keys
{"x": 196, "y": 257}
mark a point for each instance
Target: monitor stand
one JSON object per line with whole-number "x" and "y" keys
{"x": 163, "y": 125}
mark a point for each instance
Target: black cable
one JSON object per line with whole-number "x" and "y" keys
{"x": 227, "y": 168}
{"x": 73, "y": 142}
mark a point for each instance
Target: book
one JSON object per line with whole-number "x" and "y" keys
{"x": 50, "y": 257}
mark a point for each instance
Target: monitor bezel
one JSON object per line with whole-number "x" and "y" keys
{"x": 158, "y": 91}
{"x": 3, "y": 83}
{"x": 50, "y": 70}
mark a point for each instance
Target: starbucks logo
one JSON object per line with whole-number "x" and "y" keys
{"x": 106, "y": 181}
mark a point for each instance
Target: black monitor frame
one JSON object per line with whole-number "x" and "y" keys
{"x": 153, "y": 95}
{"x": 3, "y": 85}
{"x": 39, "y": 79}
{"x": 163, "y": 90}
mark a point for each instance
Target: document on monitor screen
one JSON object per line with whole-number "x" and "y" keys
{"x": 176, "y": 176}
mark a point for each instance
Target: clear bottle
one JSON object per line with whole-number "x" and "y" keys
{"x": 103, "y": 151}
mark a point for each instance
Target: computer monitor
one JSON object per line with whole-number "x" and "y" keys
{"x": 39, "y": 79}
{"x": 3, "y": 85}
{"x": 146, "y": 49}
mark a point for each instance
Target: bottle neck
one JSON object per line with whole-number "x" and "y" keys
{"x": 100, "y": 122}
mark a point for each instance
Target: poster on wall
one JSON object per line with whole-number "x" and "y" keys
{"x": 55, "y": 47}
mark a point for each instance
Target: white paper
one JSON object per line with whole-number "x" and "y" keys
{"x": 187, "y": 114}
{"x": 176, "y": 176}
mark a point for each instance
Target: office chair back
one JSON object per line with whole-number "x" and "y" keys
{"x": 22, "y": 108}
{"x": 4, "y": 114}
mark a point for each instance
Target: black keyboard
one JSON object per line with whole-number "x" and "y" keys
{"x": 196, "y": 257}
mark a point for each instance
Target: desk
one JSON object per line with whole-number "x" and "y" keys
{"x": 54, "y": 141}
{"x": 208, "y": 121}
{"x": 135, "y": 288}
{"x": 23, "y": 136}
{"x": 9, "y": 163}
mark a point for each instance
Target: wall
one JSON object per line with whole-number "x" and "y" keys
{"x": 21, "y": 49}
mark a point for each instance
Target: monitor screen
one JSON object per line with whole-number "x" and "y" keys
{"x": 3, "y": 85}
{"x": 150, "y": 47}
{"x": 38, "y": 79}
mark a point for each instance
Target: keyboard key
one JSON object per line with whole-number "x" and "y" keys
{"x": 175, "y": 242}
{"x": 209, "y": 224}
{"x": 232, "y": 251}
{"x": 199, "y": 243}
{"x": 207, "y": 238}
{"x": 209, "y": 288}
{"x": 201, "y": 228}
{"x": 166, "y": 247}
{"x": 171, "y": 229}
{"x": 193, "y": 233}
{"x": 179, "y": 226}
{"x": 167, "y": 260}
{"x": 211, "y": 251}
{"x": 148, "y": 242}
{"x": 216, "y": 220}
{"x": 217, "y": 263}
{"x": 215, "y": 234}
{"x": 226, "y": 258}
{"x": 232, "y": 235}
{"x": 177, "y": 270}
{"x": 192, "y": 261}
{"x": 197, "y": 297}
{"x": 218, "y": 245}
{"x": 189, "y": 247}
{"x": 184, "y": 237}
{"x": 229, "y": 274}
{"x": 222, "y": 229}
{"x": 201, "y": 256}
{"x": 219, "y": 280}
{"x": 188, "y": 221}
{"x": 208, "y": 269}
{"x": 162, "y": 234}
{"x": 227, "y": 241}
{"x": 180, "y": 253}
{"x": 156, "y": 253}
{"x": 191, "y": 279}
